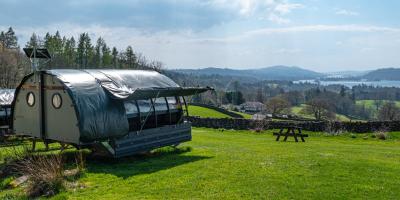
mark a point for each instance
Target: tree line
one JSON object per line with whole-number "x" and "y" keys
{"x": 66, "y": 53}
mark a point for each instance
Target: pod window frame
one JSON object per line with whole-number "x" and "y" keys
{"x": 28, "y": 95}
{"x": 52, "y": 101}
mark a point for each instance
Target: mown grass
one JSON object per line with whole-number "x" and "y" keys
{"x": 244, "y": 115}
{"x": 205, "y": 112}
{"x": 225, "y": 164}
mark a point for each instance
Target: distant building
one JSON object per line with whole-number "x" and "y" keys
{"x": 251, "y": 107}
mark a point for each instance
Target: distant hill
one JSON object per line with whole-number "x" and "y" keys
{"x": 383, "y": 74}
{"x": 267, "y": 73}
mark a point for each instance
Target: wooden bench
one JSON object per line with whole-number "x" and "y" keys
{"x": 292, "y": 131}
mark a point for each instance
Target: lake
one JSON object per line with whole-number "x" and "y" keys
{"x": 350, "y": 84}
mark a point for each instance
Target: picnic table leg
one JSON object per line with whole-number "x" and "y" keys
{"x": 294, "y": 135}
{"x": 287, "y": 134}
{"x": 279, "y": 135}
{"x": 301, "y": 135}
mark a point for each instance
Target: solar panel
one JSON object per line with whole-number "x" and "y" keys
{"x": 40, "y": 53}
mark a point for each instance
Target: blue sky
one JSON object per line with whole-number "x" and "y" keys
{"x": 314, "y": 34}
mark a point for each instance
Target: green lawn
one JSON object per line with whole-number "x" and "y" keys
{"x": 205, "y": 112}
{"x": 296, "y": 110}
{"x": 244, "y": 115}
{"x": 248, "y": 165}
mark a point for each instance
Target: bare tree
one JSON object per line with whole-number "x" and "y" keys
{"x": 319, "y": 108}
{"x": 389, "y": 112}
{"x": 378, "y": 104}
{"x": 277, "y": 105}
{"x": 13, "y": 66}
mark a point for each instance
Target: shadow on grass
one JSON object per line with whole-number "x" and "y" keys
{"x": 160, "y": 159}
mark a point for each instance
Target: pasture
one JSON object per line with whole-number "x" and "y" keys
{"x": 227, "y": 164}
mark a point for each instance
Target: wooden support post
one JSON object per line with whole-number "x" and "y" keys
{"x": 33, "y": 144}
{"x": 46, "y": 143}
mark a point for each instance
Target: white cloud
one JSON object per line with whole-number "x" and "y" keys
{"x": 346, "y": 12}
{"x": 277, "y": 19}
{"x": 316, "y": 28}
{"x": 287, "y": 51}
{"x": 273, "y": 10}
{"x": 286, "y": 8}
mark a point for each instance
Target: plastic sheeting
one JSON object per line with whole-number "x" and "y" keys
{"x": 139, "y": 84}
{"x": 99, "y": 97}
{"x": 99, "y": 116}
{"x": 6, "y": 97}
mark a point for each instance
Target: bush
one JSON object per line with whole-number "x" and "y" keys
{"x": 5, "y": 183}
{"x": 382, "y": 135}
{"x": 45, "y": 174}
{"x": 353, "y": 135}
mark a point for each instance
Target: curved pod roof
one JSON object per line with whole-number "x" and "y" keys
{"x": 98, "y": 97}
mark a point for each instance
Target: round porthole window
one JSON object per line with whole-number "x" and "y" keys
{"x": 56, "y": 101}
{"x": 30, "y": 99}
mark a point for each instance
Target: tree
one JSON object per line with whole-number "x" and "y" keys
{"x": 114, "y": 54}
{"x": 342, "y": 91}
{"x": 378, "y": 104}
{"x": 260, "y": 95}
{"x": 235, "y": 98}
{"x": 130, "y": 58}
{"x": 70, "y": 52}
{"x": 319, "y": 108}
{"x": 84, "y": 51}
{"x": 295, "y": 98}
{"x": 10, "y": 40}
{"x": 277, "y": 105}
{"x": 34, "y": 41}
{"x": 106, "y": 59}
{"x": 389, "y": 112}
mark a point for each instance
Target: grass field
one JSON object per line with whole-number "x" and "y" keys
{"x": 247, "y": 165}
{"x": 211, "y": 113}
{"x": 205, "y": 112}
{"x": 245, "y": 115}
{"x": 296, "y": 110}
{"x": 369, "y": 104}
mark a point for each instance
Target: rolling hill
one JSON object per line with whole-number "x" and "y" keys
{"x": 267, "y": 73}
{"x": 383, "y": 74}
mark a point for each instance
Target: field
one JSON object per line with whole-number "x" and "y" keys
{"x": 205, "y": 112}
{"x": 226, "y": 164}
{"x": 211, "y": 113}
{"x": 296, "y": 110}
{"x": 370, "y": 103}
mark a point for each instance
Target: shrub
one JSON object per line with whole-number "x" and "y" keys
{"x": 5, "y": 183}
{"x": 45, "y": 174}
{"x": 382, "y": 135}
{"x": 353, "y": 135}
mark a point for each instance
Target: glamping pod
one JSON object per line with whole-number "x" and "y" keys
{"x": 6, "y": 98}
{"x": 120, "y": 111}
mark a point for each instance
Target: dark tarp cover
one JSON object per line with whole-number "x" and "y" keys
{"x": 6, "y": 97}
{"x": 98, "y": 96}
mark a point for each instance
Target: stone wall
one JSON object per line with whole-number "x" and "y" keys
{"x": 246, "y": 124}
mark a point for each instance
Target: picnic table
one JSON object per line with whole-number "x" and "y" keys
{"x": 292, "y": 131}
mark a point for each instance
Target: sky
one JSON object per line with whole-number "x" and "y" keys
{"x": 321, "y": 35}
